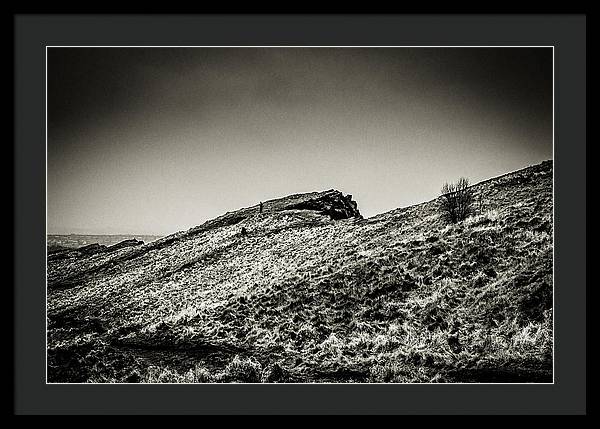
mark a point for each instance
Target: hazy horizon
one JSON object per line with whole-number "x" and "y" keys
{"x": 150, "y": 141}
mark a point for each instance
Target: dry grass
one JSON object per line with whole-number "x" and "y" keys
{"x": 400, "y": 297}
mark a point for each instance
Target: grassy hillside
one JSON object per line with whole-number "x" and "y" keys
{"x": 315, "y": 293}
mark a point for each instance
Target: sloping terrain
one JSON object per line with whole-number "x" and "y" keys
{"x": 309, "y": 291}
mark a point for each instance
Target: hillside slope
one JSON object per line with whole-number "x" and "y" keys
{"x": 313, "y": 292}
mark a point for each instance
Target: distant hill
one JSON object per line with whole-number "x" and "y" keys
{"x": 73, "y": 241}
{"x": 309, "y": 291}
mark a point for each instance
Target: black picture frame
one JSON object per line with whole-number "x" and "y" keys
{"x": 567, "y": 33}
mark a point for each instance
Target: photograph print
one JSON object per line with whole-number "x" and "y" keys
{"x": 299, "y": 215}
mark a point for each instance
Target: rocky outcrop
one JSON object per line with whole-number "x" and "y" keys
{"x": 332, "y": 203}
{"x": 91, "y": 249}
{"x": 126, "y": 243}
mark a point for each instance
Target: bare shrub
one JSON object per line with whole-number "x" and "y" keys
{"x": 457, "y": 201}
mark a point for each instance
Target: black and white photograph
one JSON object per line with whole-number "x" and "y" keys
{"x": 299, "y": 214}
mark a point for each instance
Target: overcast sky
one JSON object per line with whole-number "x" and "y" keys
{"x": 156, "y": 140}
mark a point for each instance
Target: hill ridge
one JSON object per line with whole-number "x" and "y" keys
{"x": 314, "y": 292}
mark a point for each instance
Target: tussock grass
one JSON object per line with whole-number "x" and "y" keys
{"x": 401, "y": 297}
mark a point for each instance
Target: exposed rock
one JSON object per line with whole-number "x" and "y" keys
{"x": 125, "y": 243}
{"x": 332, "y": 203}
{"x": 90, "y": 249}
